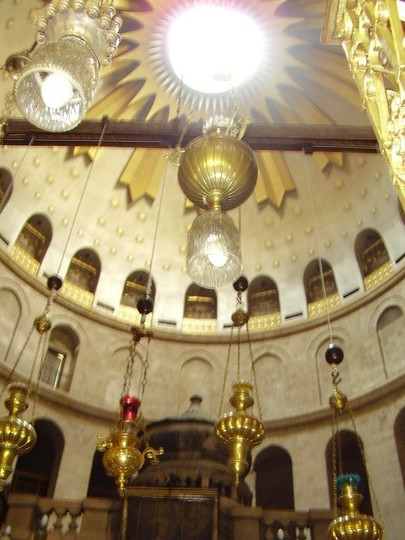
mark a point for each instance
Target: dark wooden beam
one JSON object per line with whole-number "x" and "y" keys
{"x": 309, "y": 138}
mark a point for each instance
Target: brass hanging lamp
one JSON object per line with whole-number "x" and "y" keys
{"x": 17, "y": 436}
{"x": 123, "y": 457}
{"x": 217, "y": 172}
{"x": 349, "y": 523}
{"x": 239, "y": 430}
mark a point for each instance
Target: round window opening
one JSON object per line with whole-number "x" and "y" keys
{"x": 213, "y": 49}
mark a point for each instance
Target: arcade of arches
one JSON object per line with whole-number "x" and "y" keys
{"x": 290, "y": 474}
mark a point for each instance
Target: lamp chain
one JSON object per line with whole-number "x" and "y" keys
{"x": 226, "y": 373}
{"x": 259, "y": 405}
{"x": 130, "y": 364}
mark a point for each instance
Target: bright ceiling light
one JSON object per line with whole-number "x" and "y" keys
{"x": 56, "y": 90}
{"x": 214, "y": 48}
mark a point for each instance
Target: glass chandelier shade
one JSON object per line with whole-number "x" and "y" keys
{"x": 58, "y": 79}
{"x": 213, "y": 250}
{"x": 58, "y": 85}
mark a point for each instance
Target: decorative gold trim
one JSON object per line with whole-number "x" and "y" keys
{"x": 26, "y": 261}
{"x": 378, "y": 276}
{"x": 132, "y": 315}
{"x": 77, "y": 294}
{"x": 322, "y": 306}
{"x": 199, "y": 326}
{"x": 264, "y": 322}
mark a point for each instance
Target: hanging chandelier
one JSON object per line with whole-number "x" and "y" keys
{"x": 237, "y": 429}
{"x": 17, "y": 436}
{"x": 56, "y": 81}
{"x": 217, "y": 172}
{"x": 123, "y": 457}
{"x": 349, "y": 523}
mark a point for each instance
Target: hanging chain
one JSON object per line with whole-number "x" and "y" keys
{"x": 226, "y": 373}
{"x": 259, "y": 405}
{"x": 145, "y": 371}
{"x": 142, "y": 421}
{"x": 130, "y": 362}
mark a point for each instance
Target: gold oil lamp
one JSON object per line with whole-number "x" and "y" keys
{"x": 349, "y": 523}
{"x": 17, "y": 436}
{"x": 123, "y": 457}
{"x": 237, "y": 429}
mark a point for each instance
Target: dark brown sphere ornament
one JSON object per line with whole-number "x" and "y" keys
{"x": 241, "y": 284}
{"x": 334, "y": 354}
{"x": 145, "y": 304}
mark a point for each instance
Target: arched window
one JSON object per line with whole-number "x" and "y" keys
{"x": 82, "y": 277}
{"x": 200, "y": 310}
{"x": 274, "y": 479}
{"x": 100, "y": 485}
{"x": 352, "y": 462}
{"x": 135, "y": 287}
{"x": 59, "y": 363}
{"x": 37, "y": 471}
{"x": 399, "y": 433}
{"x": 387, "y": 330}
{"x": 319, "y": 284}
{"x": 6, "y": 187}
{"x": 263, "y": 304}
{"x": 372, "y": 257}
{"x": 32, "y": 242}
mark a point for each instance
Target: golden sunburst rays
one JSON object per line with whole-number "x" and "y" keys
{"x": 140, "y": 85}
{"x": 143, "y": 173}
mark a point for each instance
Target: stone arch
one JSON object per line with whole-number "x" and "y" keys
{"x": 196, "y": 378}
{"x": 10, "y": 315}
{"x": 389, "y": 331}
{"x": 270, "y": 375}
{"x": 274, "y": 479}
{"x": 399, "y": 434}
{"x": 119, "y": 359}
{"x": 100, "y": 484}
{"x": 59, "y": 363}
{"x": 37, "y": 471}
{"x": 351, "y": 448}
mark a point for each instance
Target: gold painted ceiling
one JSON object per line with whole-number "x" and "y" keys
{"x": 303, "y": 206}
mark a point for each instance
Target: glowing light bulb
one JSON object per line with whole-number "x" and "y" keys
{"x": 218, "y": 258}
{"x": 56, "y": 90}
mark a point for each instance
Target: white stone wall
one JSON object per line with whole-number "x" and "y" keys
{"x": 293, "y": 378}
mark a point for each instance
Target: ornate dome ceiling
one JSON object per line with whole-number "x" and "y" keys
{"x": 125, "y": 203}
